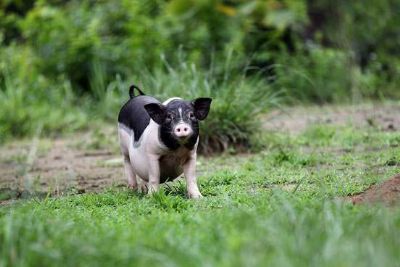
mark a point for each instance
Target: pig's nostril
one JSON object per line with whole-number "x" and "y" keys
{"x": 179, "y": 129}
{"x": 185, "y": 129}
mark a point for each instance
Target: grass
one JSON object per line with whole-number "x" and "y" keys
{"x": 279, "y": 207}
{"x": 272, "y": 227}
{"x": 238, "y": 100}
{"x": 33, "y": 105}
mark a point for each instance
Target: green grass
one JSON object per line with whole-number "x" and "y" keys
{"x": 34, "y": 105}
{"x": 279, "y": 207}
{"x": 238, "y": 100}
{"x": 31, "y": 105}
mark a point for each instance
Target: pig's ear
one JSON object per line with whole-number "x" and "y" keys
{"x": 156, "y": 112}
{"x": 201, "y": 107}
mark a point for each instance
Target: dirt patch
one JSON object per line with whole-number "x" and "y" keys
{"x": 62, "y": 167}
{"x": 297, "y": 119}
{"x": 387, "y": 193}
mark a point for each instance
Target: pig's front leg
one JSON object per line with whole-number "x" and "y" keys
{"x": 142, "y": 185}
{"x": 189, "y": 170}
{"x": 154, "y": 173}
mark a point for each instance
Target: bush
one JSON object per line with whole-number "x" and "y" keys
{"x": 237, "y": 101}
{"x": 29, "y": 103}
{"x": 71, "y": 37}
{"x": 318, "y": 75}
{"x": 327, "y": 75}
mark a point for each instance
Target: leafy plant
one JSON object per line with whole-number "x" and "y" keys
{"x": 237, "y": 101}
{"x": 29, "y": 103}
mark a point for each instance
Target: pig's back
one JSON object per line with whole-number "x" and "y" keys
{"x": 133, "y": 115}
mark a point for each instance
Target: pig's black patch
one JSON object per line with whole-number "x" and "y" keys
{"x": 134, "y": 116}
{"x": 173, "y": 118}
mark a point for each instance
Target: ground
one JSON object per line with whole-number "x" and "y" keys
{"x": 387, "y": 192}
{"x": 382, "y": 117}
{"x": 291, "y": 203}
{"x": 90, "y": 162}
{"x": 297, "y": 119}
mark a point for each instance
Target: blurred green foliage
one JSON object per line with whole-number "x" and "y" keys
{"x": 313, "y": 51}
{"x": 67, "y": 37}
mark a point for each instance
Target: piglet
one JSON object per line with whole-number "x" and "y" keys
{"x": 159, "y": 140}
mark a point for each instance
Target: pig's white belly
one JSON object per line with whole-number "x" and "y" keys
{"x": 171, "y": 164}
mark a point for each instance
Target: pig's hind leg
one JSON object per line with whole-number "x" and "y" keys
{"x": 130, "y": 174}
{"x": 124, "y": 140}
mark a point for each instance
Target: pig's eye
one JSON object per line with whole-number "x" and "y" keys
{"x": 191, "y": 115}
{"x": 170, "y": 116}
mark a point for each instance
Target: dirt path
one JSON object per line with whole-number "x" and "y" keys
{"x": 297, "y": 119}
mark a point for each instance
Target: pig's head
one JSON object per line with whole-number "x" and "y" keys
{"x": 179, "y": 120}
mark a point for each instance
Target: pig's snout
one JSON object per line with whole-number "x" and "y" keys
{"x": 183, "y": 130}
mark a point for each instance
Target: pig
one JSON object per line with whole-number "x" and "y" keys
{"x": 159, "y": 141}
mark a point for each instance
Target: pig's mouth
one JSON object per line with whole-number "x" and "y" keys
{"x": 182, "y": 139}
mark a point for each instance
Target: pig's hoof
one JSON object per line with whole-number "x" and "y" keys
{"x": 133, "y": 187}
{"x": 143, "y": 188}
{"x": 195, "y": 195}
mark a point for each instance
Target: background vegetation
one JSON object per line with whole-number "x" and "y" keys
{"x": 65, "y": 64}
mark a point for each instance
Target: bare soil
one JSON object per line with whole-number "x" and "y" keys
{"x": 60, "y": 168}
{"x": 387, "y": 193}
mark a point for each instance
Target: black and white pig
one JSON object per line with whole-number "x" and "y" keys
{"x": 159, "y": 140}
